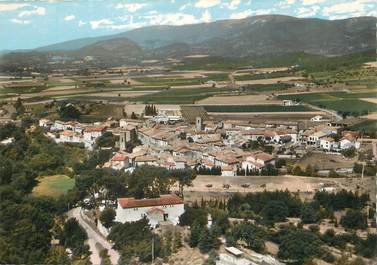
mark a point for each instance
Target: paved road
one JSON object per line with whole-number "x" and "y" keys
{"x": 94, "y": 238}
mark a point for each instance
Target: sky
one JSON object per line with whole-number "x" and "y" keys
{"x": 31, "y": 24}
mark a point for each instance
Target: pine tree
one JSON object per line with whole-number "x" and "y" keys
{"x": 207, "y": 241}
{"x": 167, "y": 244}
{"x": 195, "y": 234}
{"x": 177, "y": 244}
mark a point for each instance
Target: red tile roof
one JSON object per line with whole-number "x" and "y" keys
{"x": 95, "y": 129}
{"x": 119, "y": 157}
{"x": 168, "y": 199}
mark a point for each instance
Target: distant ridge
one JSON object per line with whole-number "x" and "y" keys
{"x": 252, "y": 36}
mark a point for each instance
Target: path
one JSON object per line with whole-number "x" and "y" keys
{"x": 94, "y": 238}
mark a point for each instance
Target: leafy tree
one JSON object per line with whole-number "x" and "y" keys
{"x": 69, "y": 112}
{"x": 184, "y": 178}
{"x": 368, "y": 247}
{"x": 207, "y": 241}
{"x": 20, "y": 109}
{"x": 308, "y": 214}
{"x": 299, "y": 245}
{"x": 193, "y": 215}
{"x": 149, "y": 181}
{"x": 106, "y": 140}
{"x": 107, "y": 217}
{"x": 350, "y": 152}
{"x": 57, "y": 255}
{"x": 250, "y": 234}
{"x": 74, "y": 236}
{"x": 195, "y": 232}
{"x": 105, "y": 258}
{"x": 354, "y": 219}
{"x": 177, "y": 244}
{"x": 275, "y": 211}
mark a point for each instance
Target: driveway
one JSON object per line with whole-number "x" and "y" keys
{"x": 94, "y": 238}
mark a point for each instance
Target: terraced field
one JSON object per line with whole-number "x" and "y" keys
{"x": 256, "y": 108}
{"x": 179, "y": 96}
{"x": 179, "y": 80}
{"x": 342, "y": 102}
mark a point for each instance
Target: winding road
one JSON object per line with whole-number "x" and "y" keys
{"x": 94, "y": 239}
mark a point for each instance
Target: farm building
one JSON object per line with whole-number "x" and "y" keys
{"x": 167, "y": 207}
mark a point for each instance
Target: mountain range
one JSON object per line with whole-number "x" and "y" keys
{"x": 252, "y": 36}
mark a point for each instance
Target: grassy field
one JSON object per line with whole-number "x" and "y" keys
{"x": 179, "y": 81}
{"x": 368, "y": 127}
{"x": 179, "y": 96}
{"x": 338, "y": 101}
{"x": 53, "y": 186}
{"x": 251, "y": 76}
{"x": 256, "y": 108}
{"x": 264, "y": 87}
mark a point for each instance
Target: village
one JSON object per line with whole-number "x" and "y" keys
{"x": 220, "y": 149}
{"x": 206, "y": 132}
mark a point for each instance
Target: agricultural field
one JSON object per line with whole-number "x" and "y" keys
{"x": 179, "y": 96}
{"x": 342, "y": 102}
{"x": 239, "y": 100}
{"x": 256, "y": 108}
{"x": 179, "y": 80}
{"x": 368, "y": 127}
{"x": 251, "y": 76}
{"x": 53, "y": 186}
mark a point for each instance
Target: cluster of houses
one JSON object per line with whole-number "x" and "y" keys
{"x": 222, "y": 145}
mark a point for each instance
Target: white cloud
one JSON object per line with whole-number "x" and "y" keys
{"x": 81, "y": 23}
{"x": 11, "y": 6}
{"x": 308, "y": 11}
{"x": 171, "y": 19}
{"x": 102, "y": 23}
{"x": 39, "y": 11}
{"x": 20, "y": 21}
{"x": 69, "y": 17}
{"x": 233, "y": 4}
{"x": 262, "y": 11}
{"x": 110, "y": 24}
{"x": 241, "y": 15}
{"x": 351, "y": 8}
{"x": 206, "y": 16}
{"x": 286, "y": 3}
{"x": 207, "y": 3}
{"x": 312, "y": 2}
{"x": 133, "y": 7}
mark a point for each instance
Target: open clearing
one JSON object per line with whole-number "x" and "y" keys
{"x": 305, "y": 185}
{"x": 372, "y": 100}
{"x": 269, "y": 81}
{"x": 255, "y": 108}
{"x": 53, "y": 186}
{"x": 339, "y": 101}
{"x": 326, "y": 161}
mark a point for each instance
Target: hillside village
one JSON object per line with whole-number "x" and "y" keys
{"x": 245, "y": 141}
{"x": 222, "y": 148}
{"x": 207, "y": 145}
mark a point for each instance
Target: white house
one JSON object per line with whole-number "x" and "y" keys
{"x": 45, "y": 123}
{"x": 92, "y": 133}
{"x": 328, "y": 143}
{"x": 228, "y": 171}
{"x": 146, "y": 160}
{"x": 257, "y": 161}
{"x": 167, "y": 207}
{"x": 118, "y": 162}
{"x": 349, "y": 140}
{"x": 318, "y": 118}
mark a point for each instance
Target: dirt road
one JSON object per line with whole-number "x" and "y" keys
{"x": 94, "y": 238}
